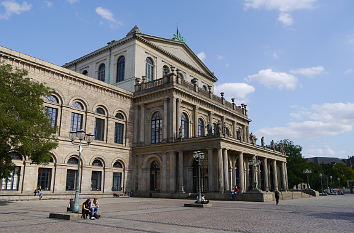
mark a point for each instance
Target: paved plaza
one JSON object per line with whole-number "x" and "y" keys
{"x": 321, "y": 214}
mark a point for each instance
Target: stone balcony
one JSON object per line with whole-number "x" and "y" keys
{"x": 172, "y": 80}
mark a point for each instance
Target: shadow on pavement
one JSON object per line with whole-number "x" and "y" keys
{"x": 4, "y": 202}
{"x": 335, "y": 216}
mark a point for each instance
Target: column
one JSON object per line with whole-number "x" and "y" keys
{"x": 195, "y": 110}
{"x": 165, "y": 117}
{"x": 220, "y": 171}
{"x": 286, "y": 178}
{"x": 247, "y": 170}
{"x": 178, "y": 116}
{"x": 233, "y": 178}
{"x": 275, "y": 175}
{"x": 136, "y": 124}
{"x": 172, "y": 156}
{"x": 254, "y": 171}
{"x": 180, "y": 172}
{"x": 172, "y": 118}
{"x": 210, "y": 170}
{"x": 226, "y": 170}
{"x": 283, "y": 168}
{"x": 234, "y": 133}
{"x": 142, "y": 124}
{"x": 241, "y": 175}
{"x": 265, "y": 172}
{"x": 164, "y": 172}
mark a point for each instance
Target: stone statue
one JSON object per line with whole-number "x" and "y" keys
{"x": 218, "y": 129}
{"x": 238, "y": 134}
{"x": 282, "y": 149}
{"x": 251, "y": 139}
{"x": 224, "y": 130}
{"x": 272, "y": 145}
{"x": 180, "y": 133}
{"x": 262, "y": 141}
{"x": 210, "y": 129}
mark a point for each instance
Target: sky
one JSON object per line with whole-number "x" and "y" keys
{"x": 290, "y": 61}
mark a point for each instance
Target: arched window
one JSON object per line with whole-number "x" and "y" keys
{"x": 78, "y": 105}
{"x": 155, "y": 176}
{"x": 84, "y": 72}
{"x": 97, "y": 163}
{"x": 99, "y": 125}
{"x": 214, "y": 128}
{"x": 73, "y": 160}
{"x": 180, "y": 75}
{"x": 120, "y": 69}
{"x": 165, "y": 70}
{"x": 149, "y": 69}
{"x": 201, "y": 131}
{"x": 100, "y": 111}
{"x": 156, "y": 128}
{"x": 52, "y": 99}
{"x": 120, "y": 116}
{"x": 117, "y": 164}
{"x": 185, "y": 125}
{"x": 205, "y": 88}
{"x": 101, "y": 72}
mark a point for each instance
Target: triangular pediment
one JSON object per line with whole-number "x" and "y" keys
{"x": 181, "y": 51}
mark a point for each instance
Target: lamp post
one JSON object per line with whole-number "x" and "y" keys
{"x": 307, "y": 172}
{"x": 321, "y": 183}
{"x": 197, "y": 155}
{"x": 331, "y": 180}
{"x": 338, "y": 182}
{"x": 81, "y": 135}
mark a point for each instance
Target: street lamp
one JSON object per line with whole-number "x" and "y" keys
{"x": 307, "y": 172}
{"x": 80, "y": 135}
{"x": 197, "y": 155}
{"x": 321, "y": 183}
{"x": 331, "y": 181}
{"x": 338, "y": 182}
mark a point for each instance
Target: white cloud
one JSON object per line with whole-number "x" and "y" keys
{"x": 283, "y": 6}
{"x": 202, "y": 56}
{"x": 219, "y": 57}
{"x": 285, "y": 18}
{"x": 325, "y": 151}
{"x": 72, "y": 1}
{"x": 272, "y": 79}
{"x": 105, "y": 13}
{"x": 327, "y": 119}
{"x": 235, "y": 90}
{"x": 13, "y": 7}
{"x": 348, "y": 71}
{"x": 311, "y": 71}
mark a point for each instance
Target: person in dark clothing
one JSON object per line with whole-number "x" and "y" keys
{"x": 86, "y": 209}
{"x": 276, "y": 193}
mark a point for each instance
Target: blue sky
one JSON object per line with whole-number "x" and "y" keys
{"x": 290, "y": 61}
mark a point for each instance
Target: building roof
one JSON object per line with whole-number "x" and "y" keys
{"x": 135, "y": 33}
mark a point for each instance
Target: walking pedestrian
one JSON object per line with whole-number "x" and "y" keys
{"x": 276, "y": 194}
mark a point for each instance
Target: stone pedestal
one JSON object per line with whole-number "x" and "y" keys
{"x": 198, "y": 205}
{"x": 65, "y": 216}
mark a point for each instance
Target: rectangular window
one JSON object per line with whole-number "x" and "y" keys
{"x": 99, "y": 129}
{"x": 44, "y": 178}
{"x": 52, "y": 114}
{"x": 117, "y": 181}
{"x": 76, "y": 121}
{"x": 118, "y": 133}
{"x": 71, "y": 179}
{"x": 96, "y": 180}
{"x": 11, "y": 183}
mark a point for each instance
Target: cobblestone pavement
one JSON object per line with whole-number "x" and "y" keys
{"x": 322, "y": 214}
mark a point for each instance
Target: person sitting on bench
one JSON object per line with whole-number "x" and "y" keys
{"x": 86, "y": 209}
{"x": 70, "y": 206}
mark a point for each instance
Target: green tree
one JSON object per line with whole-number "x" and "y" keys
{"x": 24, "y": 125}
{"x": 295, "y": 162}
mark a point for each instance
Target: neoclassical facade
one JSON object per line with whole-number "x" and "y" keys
{"x": 150, "y": 104}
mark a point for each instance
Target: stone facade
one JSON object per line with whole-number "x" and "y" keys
{"x": 166, "y": 115}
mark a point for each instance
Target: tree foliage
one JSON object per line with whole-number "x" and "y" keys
{"x": 24, "y": 125}
{"x": 296, "y": 164}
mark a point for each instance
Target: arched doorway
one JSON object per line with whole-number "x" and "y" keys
{"x": 155, "y": 176}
